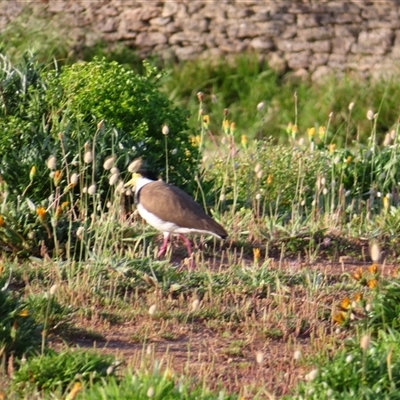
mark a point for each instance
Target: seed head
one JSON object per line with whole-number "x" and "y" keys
{"x": 88, "y": 157}
{"x": 200, "y": 96}
{"x": 74, "y": 179}
{"x": 260, "y": 106}
{"x": 80, "y": 231}
{"x": 370, "y": 115}
{"x": 109, "y": 163}
{"x": 52, "y": 163}
{"x": 92, "y": 189}
{"x": 113, "y": 179}
{"x": 259, "y": 357}
{"x": 152, "y": 310}
{"x": 53, "y": 290}
{"x": 297, "y": 355}
{"x": 311, "y": 375}
{"x": 365, "y": 342}
{"x": 134, "y": 165}
{"x": 195, "y": 304}
{"x": 375, "y": 252}
{"x": 165, "y": 130}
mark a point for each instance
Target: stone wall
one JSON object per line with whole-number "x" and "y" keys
{"x": 310, "y": 37}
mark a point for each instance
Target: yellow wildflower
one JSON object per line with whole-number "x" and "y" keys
{"x": 64, "y": 205}
{"x": 311, "y": 133}
{"x": 232, "y": 128}
{"x": 386, "y": 203}
{"x": 244, "y": 141}
{"x": 206, "y": 121}
{"x": 349, "y": 159}
{"x": 187, "y": 153}
{"x": 269, "y": 179}
{"x": 32, "y": 173}
{"x": 23, "y": 313}
{"x": 332, "y": 148}
{"x": 321, "y": 132}
{"x": 41, "y": 212}
{"x": 225, "y": 126}
{"x": 256, "y": 254}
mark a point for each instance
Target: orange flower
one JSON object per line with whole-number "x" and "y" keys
{"x": 358, "y": 296}
{"x": 339, "y": 317}
{"x": 64, "y": 205}
{"x": 256, "y": 254}
{"x": 23, "y": 313}
{"x": 41, "y": 212}
{"x": 57, "y": 177}
{"x": 74, "y": 391}
{"x": 373, "y": 269}
{"x": 345, "y": 303}
{"x": 357, "y": 274}
{"x": 2, "y": 223}
{"x": 372, "y": 283}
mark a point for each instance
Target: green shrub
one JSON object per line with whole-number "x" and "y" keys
{"x": 19, "y": 332}
{"x": 56, "y": 371}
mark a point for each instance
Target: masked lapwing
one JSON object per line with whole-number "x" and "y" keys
{"x": 172, "y": 211}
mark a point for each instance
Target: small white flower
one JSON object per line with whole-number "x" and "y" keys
{"x": 368, "y": 307}
{"x": 351, "y": 106}
{"x": 325, "y": 191}
{"x": 331, "y": 114}
{"x": 259, "y": 174}
{"x": 257, "y": 168}
{"x": 301, "y": 141}
{"x": 222, "y": 197}
{"x": 258, "y": 196}
{"x": 174, "y": 152}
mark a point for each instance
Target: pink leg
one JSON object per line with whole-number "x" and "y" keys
{"x": 164, "y": 246}
{"x": 189, "y": 248}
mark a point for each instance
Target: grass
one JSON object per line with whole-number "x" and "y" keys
{"x": 300, "y": 302}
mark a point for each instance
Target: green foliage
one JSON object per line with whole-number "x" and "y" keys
{"x": 355, "y": 373}
{"x": 150, "y": 384}
{"x": 19, "y": 332}
{"x": 47, "y": 311}
{"x": 56, "y": 371}
{"x": 242, "y": 84}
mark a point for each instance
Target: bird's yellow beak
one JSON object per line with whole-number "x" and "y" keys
{"x": 132, "y": 182}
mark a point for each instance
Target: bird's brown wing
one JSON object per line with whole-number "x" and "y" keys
{"x": 160, "y": 198}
